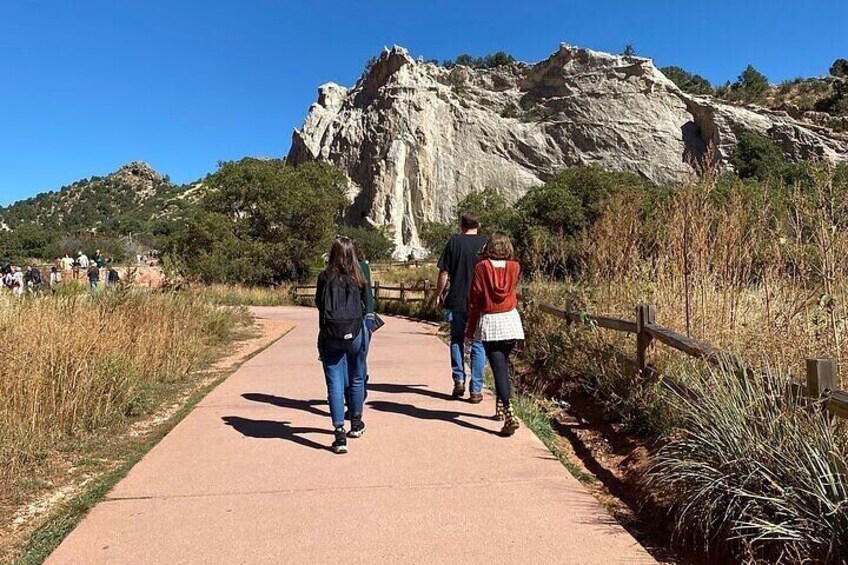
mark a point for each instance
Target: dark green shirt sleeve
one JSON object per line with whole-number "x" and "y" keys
{"x": 368, "y": 291}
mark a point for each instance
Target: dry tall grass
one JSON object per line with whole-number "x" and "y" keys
{"x": 238, "y": 295}
{"x": 755, "y": 269}
{"x": 73, "y": 364}
{"x": 759, "y": 270}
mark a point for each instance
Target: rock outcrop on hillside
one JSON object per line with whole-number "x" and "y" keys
{"x": 129, "y": 199}
{"x": 415, "y": 138}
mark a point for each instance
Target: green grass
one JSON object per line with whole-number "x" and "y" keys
{"x": 535, "y": 413}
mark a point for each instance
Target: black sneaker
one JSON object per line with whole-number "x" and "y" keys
{"x": 340, "y": 443}
{"x": 357, "y": 427}
{"x": 458, "y": 389}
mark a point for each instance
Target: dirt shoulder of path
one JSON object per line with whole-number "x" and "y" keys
{"x": 70, "y": 474}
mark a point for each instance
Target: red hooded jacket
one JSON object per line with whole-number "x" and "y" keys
{"x": 493, "y": 290}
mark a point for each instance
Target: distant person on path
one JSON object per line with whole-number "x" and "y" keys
{"x": 17, "y": 281}
{"x": 55, "y": 279}
{"x": 456, "y": 267}
{"x": 83, "y": 261}
{"x": 493, "y": 317}
{"x": 93, "y": 276}
{"x": 339, "y": 296}
{"x": 66, "y": 262}
{"x": 32, "y": 279}
{"x": 112, "y": 276}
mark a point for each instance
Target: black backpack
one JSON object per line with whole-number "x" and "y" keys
{"x": 35, "y": 276}
{"x": 341, "y": 308}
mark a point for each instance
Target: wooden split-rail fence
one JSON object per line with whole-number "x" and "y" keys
{"x": 404, "y": 292}
{"x": 822, "y": 378}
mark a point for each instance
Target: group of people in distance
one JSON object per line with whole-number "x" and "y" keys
{"x": 30, "y": 280}
{"x": 19, "y": 281}
{"x": 477, "y": 289}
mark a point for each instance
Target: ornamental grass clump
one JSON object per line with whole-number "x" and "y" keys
{"x": 755, "y": 472}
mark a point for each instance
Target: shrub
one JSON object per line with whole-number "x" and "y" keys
{"x": 839, "y": 68}
{"x": 510, "y": 111}
{"x": 755, "y": 472}
{"x": 750, "y": 86}
{"x": 490, "y": 61}
{"x": 375, "y": 243}
{"x": 435, "y": 235}
{"x": 688, "y": 82}
{"x": 493, "y": 210}
{"x": 499, "y": 59}
{"x": 758, "y": 157}
{"x": 550, "y": 217}
{"x": 261, "y": 222}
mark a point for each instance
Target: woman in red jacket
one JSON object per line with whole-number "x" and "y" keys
{"x": 493, "y": 318}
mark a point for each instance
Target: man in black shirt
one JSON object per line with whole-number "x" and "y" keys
{"x": 456, "y": 266}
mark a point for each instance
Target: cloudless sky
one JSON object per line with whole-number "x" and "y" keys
{"x": 88, "y": 85}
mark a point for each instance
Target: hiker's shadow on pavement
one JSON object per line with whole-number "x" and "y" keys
{"x": 426, "y": 414}
{"x": 269, "y": 429}
{"x": 408, "y": 389}
{"x": 291, "y": 403}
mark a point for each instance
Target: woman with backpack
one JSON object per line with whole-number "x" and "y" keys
{"x": 339, "y": 296}
{"x": 493, "y": 317}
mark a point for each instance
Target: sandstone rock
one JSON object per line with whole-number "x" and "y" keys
{"x": 415, "y": 138}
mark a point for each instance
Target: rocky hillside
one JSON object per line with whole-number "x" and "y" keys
{"x": 131, "y": 199}
{"x": 414, "y": 137}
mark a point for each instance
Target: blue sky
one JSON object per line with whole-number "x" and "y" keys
{"x": 88, "y": 85}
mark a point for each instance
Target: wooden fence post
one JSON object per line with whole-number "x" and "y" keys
{"x": 821, "y": 377}
{"x": 426, "y": 290}
{"x": 402, "y": 293}
{"x": 646, "y": 314}
{"x": 376, "y": 291}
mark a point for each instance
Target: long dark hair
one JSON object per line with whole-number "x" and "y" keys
{"x": 343, "y": 263}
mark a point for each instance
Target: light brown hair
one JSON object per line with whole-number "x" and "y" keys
{"x": 499, "y": 247}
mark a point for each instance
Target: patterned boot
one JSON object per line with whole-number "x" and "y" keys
{"x": 510, "y": 422}
{"x": 499, "y": 411}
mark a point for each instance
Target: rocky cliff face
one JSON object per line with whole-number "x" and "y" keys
{"x": 415, "y": 138}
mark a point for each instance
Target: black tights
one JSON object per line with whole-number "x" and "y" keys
{"x": 497, "y": 352}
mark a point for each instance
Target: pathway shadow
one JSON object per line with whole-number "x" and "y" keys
{"x": 408, "y": 389}
{"x": 426, "y": 414}
{"x": 269, "y": 429}
{"x": 292, "y": 403}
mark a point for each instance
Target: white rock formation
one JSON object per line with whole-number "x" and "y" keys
{"x": 415, "y": 138}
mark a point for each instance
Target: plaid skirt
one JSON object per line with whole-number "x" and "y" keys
{"x": 502, "y": 326}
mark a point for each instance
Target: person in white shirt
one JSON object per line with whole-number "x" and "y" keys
{"x": 18, "y": 282}
{"x": 55, "y": 278}
{"x": 66, "y": 262}
{"x": 83, "y": 261}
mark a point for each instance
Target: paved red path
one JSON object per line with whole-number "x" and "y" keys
{"x": 247, "y": 477}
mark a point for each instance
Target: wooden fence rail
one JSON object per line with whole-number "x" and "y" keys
{"x": 822, "y": 376}
{"x": 403, "y": 293}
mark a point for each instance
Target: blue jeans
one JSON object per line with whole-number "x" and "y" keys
{"x": 366, "y": 337}
{"x": 457, "y": 321}
{"x": 344, "y": 366}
